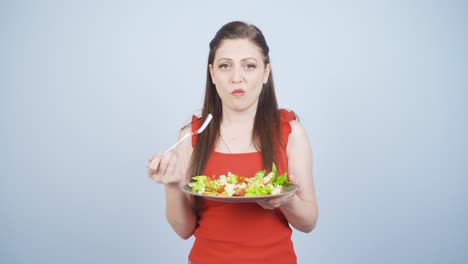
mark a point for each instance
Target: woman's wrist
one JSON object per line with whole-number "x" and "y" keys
{"x": 174, "y": 186}
{"x": 291, "y": 203}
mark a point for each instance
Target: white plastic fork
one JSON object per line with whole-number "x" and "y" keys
{"x": 202, "y": 127}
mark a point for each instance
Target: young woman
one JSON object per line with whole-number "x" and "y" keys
{"x": 247, "y": 134}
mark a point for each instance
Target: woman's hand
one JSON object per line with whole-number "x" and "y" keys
{"x": 271, "y": 204}
{"x": 165, "y": 168}
{"x": 276, "y": 202}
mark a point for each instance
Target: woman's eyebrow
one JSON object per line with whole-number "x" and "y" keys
{"x": 244, "y": 59}
{"x": 223, "y": 59}
{"x": 249, "y": 58}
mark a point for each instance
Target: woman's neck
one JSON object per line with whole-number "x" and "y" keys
{"x": 235, "y": 119}
{"x": 236, "y": 131}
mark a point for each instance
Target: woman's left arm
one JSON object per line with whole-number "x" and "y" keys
{"x": 300, "y": 209}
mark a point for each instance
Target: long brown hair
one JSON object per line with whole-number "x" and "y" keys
{"x": 266, "y": 123}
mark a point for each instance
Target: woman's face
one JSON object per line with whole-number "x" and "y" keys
{"x": 238, "y": 72}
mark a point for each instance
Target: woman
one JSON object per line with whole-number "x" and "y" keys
{"x": 248, "y": 133}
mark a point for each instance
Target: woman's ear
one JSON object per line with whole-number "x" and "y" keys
{"x": 266, "y": 73}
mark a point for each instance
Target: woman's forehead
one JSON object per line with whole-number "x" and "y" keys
{"x": 238, "y": 49}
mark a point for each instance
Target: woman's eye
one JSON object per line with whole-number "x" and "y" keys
{"x": 250, "y": 66}
{"x": 223, "y": 66}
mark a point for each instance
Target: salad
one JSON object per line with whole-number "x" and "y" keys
{"x": 234, "y": 185}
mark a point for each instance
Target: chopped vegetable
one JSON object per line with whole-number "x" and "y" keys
{"x": 234, "y": 185}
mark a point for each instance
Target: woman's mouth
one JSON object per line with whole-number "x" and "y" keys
{"x": 238, "y": 91}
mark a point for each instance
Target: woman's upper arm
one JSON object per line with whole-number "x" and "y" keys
{"x": 300, "y": 161}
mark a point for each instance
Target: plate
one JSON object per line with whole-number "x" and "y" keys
{"x": 242, "y": 199}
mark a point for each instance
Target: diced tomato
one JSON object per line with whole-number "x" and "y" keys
{"x": 221, "y": 188}
{"x": 240, "y": 179}
{"x": 239, "y": 192}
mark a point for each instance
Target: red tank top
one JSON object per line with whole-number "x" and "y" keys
{"x": 242, "y": 232}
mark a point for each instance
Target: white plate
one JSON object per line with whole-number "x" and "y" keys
{"x": 242, "y": 199}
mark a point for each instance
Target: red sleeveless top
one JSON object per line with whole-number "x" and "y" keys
{"x": 242, "y": 232}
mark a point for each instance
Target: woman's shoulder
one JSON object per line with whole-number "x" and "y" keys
{"x": 297, "y": 129}
{"x": 290, "y": 123}
{"x": 287, "y": 118}
{"x": 286, "y": 115}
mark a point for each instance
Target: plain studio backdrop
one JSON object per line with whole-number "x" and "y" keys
{"x": 90, "y": 89}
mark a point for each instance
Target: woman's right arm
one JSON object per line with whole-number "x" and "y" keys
{"x": 171, "y": 170}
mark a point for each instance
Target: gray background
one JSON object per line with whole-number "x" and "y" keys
{"x": 89, "y": 89}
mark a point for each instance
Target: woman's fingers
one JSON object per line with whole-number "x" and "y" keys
{"x": 154, "y": 166}
{"x": 165, "y": 162}
{"x": 266, "y": 205}
{"x": 166, "y": 169}
{"x": 154, "y": 161}
{"x": 163, "y": 168}
{"x": 271, "y": 204}
{"x": 171, "y": 169}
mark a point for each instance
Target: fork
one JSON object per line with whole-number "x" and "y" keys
{"x": 202, "y": 127}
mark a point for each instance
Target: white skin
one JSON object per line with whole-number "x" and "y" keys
{"x": 238, "y": 65}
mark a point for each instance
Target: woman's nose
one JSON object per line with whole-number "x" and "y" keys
{"x": 237, "y": 75}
